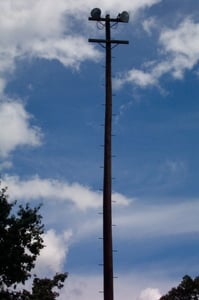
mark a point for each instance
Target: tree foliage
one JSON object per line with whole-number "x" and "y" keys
{"x": 21, "y": 240}
{"x": 188, "y": 289}
{"x": 44, "y": 288}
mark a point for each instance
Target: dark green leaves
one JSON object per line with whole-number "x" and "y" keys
{"x": 20, "y": 244}
{"x": 20, "y": 240}
{"x": 188, "y": 289}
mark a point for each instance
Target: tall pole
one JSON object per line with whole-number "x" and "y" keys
{"x": 107, "y": 181}
{"x": 107, "y": 184}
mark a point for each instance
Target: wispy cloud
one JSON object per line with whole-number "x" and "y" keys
{"x": 36, "y": 188}
{"x": 149, "y": 24}
{"x": 132, "y": 216}
{"x": 16, "y": 129}
{"x": 150, "y": 219}
{"x": 179, "y": 53}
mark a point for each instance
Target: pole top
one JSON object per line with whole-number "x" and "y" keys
{"x": 95, "y": 15}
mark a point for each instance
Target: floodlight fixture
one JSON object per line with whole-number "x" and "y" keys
{"x": 96, "y": 13}
{"x": 123, "y": 17}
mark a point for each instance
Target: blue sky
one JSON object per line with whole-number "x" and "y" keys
{"x": 51, "y": 112}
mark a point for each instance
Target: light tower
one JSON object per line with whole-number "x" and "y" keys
{"x": 107, "y": 23}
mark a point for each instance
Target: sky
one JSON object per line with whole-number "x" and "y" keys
{"x": 51, "y": 138}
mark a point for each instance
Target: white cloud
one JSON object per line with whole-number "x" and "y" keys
{"x": 117, "y": 6}
{"x": 132, "y": 217}
{"x": 15, "y": 128}
{"x": 180, "y": 52}
{"x": 50, "y": 189}
{"x": 82, "y": 287}
{"x": 53, "y": 256}
{"x": 39, "y": 29}
{"x": 183, "y": 40}
{"x": 70, "y": 51}
{"x": 127, "y": 286}
{"x": 149, "y": 24}
{"x": 150, "y": 219}
{"x": 141, "y": 78}
{"x": 150, "y": 294}
{"x": 183, "y": 43}
{"x": 46, "y": 29}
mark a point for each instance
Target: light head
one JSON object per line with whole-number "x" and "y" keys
{"x": 123, "y": 17}
{"x": 96, "y": 14}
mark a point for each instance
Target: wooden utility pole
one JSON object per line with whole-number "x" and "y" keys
{"x": 107, "y": 181}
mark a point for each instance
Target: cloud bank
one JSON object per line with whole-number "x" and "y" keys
{"x": 50, "y": 189}
{"x": 131, "y": 215}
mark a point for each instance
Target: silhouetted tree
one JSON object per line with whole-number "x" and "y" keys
{"x": 44, "y": 288}
{"x": 21, "y": 240}
{"x": 188, "y": 289}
